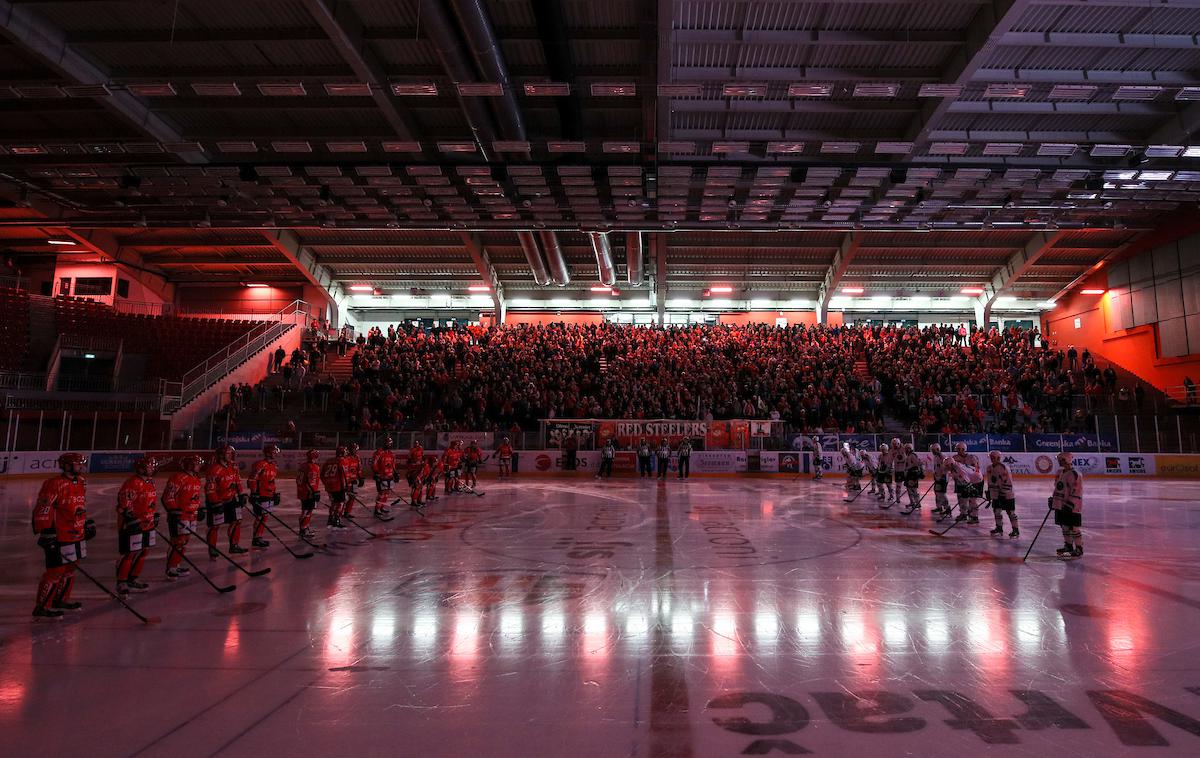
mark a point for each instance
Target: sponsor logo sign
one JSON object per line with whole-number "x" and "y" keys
{"x": 1182, "y": 466}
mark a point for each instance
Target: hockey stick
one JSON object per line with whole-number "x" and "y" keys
{"x": 919, "y": 500}
{"x": 1039, "y": 533}
{"x": 358, "y": 525}
{"x": 118, "y": 598}
{"x": 856, "y": 497}
{"x": 371, "y": 508}
{"x": 299, "y": 536}
{"x": 218, "y": 551}
{"x": 953, "y": 524}
{"x": 271, "y": 531}
{"x": 190, "y": 562}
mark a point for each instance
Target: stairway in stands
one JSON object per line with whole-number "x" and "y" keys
{"x": 603, "y": 364}
{"x": 339, "y": 366}
{"x": 862, "y": 370}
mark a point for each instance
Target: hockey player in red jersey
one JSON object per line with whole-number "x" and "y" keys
{"x": 417, "y": 480}
{"x": 182, "y": 499}
{"x": 308, "y": 489}
{"x": 472, "y": 458}
{"x": 450, "y": 464}
{"x": 354, "y": 481}
{"x": 264, "y": 495}
{"x": 436, "y": 468}
{"x": 60, "y": 521}
{"x": 504, "y": 454}
{"x": 224, "y": 500}
{"x": 416, "y": 460}
{"x": 383, "y": 468}
{"x": 336, "y": 477}
{"x": 137, "y": 517}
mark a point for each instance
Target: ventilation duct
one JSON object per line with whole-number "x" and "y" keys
{"x": 606, "y": 272}
{"x": 635, "y": 257}
{"x": 559, "y": 274}
{"x": 533, "y": 255}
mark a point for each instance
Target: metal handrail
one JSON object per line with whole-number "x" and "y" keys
{"x": 205, "y": 374}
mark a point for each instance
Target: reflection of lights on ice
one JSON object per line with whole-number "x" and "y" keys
{"x": 808, "y": 627}
{"x": 424, "y": 631}
{"x": 937, "y": 631}
{"x": 854, "y": 634}
{"x": 895, "y": 631}
{"x": 637, "y": 626}
{"x": 554, "y": 625}
{"x": 979, "y": 633}
{"x": 383, "y": 628}
{"x": 339, "y": 637}
{"x": 512, "y": 623}
{"x": 465, "y": 639}
{"x": 682, "y": 625}
{"x": 595, "y": 634}
{"x": 766, "y": 626}
{"x": 725, "y": 632}
{"x": 594, "y": 623}
{"x": 1029, "y": 631}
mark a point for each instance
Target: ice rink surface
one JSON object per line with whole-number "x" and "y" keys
{"x": 565, "y": 617}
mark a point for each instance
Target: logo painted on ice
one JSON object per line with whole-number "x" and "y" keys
{"x": 773, "y": 722}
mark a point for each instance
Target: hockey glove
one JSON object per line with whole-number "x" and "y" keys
{"x": 89, "y": 529}
{"x": 275, "y": 498}
{"x": 241, "y": 499}
{"x": 47, "y": 539}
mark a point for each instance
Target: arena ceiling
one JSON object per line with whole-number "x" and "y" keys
{"x": 784, "y": 149}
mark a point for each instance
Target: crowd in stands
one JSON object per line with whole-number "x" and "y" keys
{"x": 932, "y": 379}
{"x": 1000, "y": 381}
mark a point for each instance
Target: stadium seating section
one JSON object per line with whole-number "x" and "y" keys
{"x": 172, "y": 344}
{"x": 14, "y": 327}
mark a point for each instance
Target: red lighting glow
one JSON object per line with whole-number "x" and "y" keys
{"x": 852, "y": 290}
{"x": 1092, "y": 292}
{"x": 971, "y": 290}
{"x": 361, "y": 288}
{"x": 721, "y": 290}
{"x": 479, "y": 288}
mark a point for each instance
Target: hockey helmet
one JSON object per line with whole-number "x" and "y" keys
{"x": 76, "y": 460}
{"x": 145, "y": 466}
{"x": 995, "y": 456}
{"x": 313, "y": 455}
{"x": 191, "y": 463}
{"x": 341, "y": 451}
{"x": 960, "y": 447}
{"x": 935, "y": 448}
{"x": 1064, "y": 459}
{"x": 224, "y": 453}
{"x": 270, "y": 450}
{"x": 386, "y": 443}
{"x": 354, "y": 448}
{"x": 883, "y": 448}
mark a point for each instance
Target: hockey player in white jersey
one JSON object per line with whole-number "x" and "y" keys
{"x": 941, "y": 474}
{"x": 883, "y": 476}
{"x": 968, "y": 483}
{"x": 1067, "y": 502}
{"x": 854, "y": 471}
{"x": 910, "y": 467}
{"x": 1000, "y": 495}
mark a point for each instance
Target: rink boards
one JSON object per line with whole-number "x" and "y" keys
{"x": 703, "y": 462}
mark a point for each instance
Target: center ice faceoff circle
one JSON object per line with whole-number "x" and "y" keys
{"x": 697, "y": 529}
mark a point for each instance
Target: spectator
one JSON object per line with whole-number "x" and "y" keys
{"x": 1189, "y": 390}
